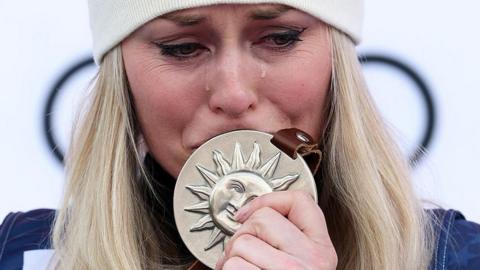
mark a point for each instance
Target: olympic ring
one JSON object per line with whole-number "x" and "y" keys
{"x": 52, "y": 98}
{"x": 366, "y": 59}
{"x": 425, "y": 93}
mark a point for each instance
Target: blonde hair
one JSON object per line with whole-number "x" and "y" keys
{"x": 374, "y": 219}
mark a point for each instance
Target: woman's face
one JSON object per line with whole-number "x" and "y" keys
{"x": 197, "y": 73}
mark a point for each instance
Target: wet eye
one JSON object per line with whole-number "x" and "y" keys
{"x": 283, "y": 40}
{"x": 181, "y": 51}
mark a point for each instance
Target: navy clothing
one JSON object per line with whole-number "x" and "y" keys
{"x": 457, "y": 247}
{"x": 21, "y": 232}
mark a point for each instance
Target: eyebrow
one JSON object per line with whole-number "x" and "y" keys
{"x": 258, "y": 14}
{"x": 183, "y": 19}
{"x": 269, "y": 13}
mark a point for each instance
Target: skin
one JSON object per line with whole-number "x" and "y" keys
{"x": 246, "y": 69}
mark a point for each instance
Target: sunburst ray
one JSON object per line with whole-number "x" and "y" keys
{"x": 282, "y": 183}
{"x": 216, "y": 237}
{"x": 267, "y": 170}
{"x": 223, "y": 167}
{"x": 254, "y": 160}
{"x": 203, "y": 192}
{"x": 202, "y": 207}
{"x": 237, "y": 163}
{"x": 210, "y": 177}
{"x": 204, "y": 223}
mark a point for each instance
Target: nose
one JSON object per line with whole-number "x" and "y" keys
{"x": 231, "y": 84}
{"x": 237, "y": 204}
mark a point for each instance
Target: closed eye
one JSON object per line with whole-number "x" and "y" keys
{"x": 237, "y": 186}
{"x": 181, "y": 51}
{"x": 281, "y": 40}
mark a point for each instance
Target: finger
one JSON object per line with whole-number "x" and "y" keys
{"x": 237, "y": 263}
{"x": 260, "y": 254}
{"x": 276, "y": 230}
{"x": 299, "y": 207}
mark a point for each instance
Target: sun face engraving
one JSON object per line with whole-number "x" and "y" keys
{"x": 231, "y": 186}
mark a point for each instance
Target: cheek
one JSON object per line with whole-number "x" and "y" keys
{"x": 163, "y": 99}
{"x": 300, "y": 89}
{"x": 164, "y": 105}
{"x": 158, "y": 88}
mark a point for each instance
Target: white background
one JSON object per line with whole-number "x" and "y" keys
{"x": 39, "y": 40}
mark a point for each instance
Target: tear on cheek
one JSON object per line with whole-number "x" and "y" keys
{"x": 263, "y": 71}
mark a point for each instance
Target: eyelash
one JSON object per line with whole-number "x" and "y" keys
{"x": 291, "y": 36}
{"x": 175, "y": 50}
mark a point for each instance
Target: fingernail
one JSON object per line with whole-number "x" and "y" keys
{"x": 241, "y": 212}
{"x": 238, "y": 215}
{"x": 220, "y": 261}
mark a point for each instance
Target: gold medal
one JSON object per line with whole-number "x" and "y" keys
{"x": 224, "y": 174}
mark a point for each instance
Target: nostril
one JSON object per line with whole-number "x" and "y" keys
{"x": 237, "y": 204}
{"x": 233, "y": 106}
{"x": 217, "y": 110}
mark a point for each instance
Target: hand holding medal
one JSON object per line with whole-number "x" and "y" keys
{"x": 217, "y": 180}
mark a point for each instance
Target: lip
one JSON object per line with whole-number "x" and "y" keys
{"x": 231, "y": 212}
{"x": 197, "y": 145}
{"x": 218, "y": 132}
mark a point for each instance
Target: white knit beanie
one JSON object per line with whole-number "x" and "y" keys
{"x": 113, "y": 20}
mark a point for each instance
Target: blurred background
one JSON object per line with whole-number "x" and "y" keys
{"x": 421, "y": 60}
